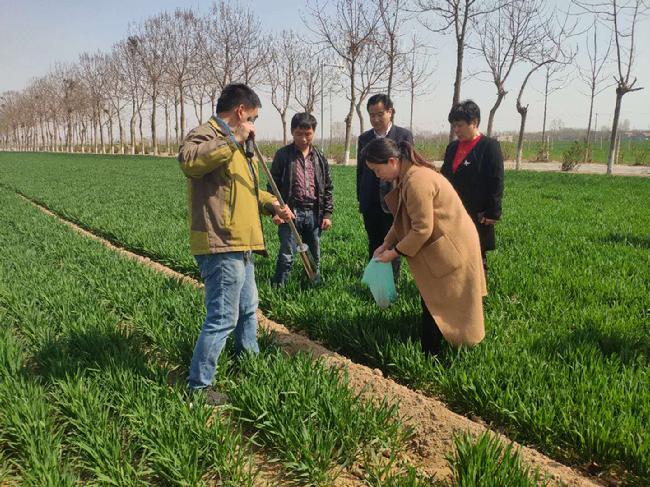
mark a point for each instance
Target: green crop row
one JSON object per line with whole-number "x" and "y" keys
{"x": 564, "y": 366}
{"x": 93, "y": 354}
{"x": 92, "y": 347}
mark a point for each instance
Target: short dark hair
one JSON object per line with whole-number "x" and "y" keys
{"x": 466, "y": 110}
{"x": 303, "y": 121}
{"x": 237, "y": 94}
{"x": 379, "y": 98}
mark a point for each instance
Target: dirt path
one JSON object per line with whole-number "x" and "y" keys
{"x": 619, "y": 169}
{"x": 434, "y": 425}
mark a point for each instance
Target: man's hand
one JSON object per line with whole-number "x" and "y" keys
{"x": 243, "y": 131}
{"x": 327, "y": 224}
{"x": 277, "y": 220}
{"x": 380, "y": 250}
{"x": 284, "y": 212}
{"x": 387, "y": 256}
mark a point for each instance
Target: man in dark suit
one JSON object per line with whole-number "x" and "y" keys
{"x": 377, "y": 219}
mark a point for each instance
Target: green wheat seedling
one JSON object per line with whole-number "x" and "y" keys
{"x": 564, "y": 366}
{"x": 306, "y": 413}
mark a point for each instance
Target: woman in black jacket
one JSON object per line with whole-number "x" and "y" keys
{"x": 474, "y": 166}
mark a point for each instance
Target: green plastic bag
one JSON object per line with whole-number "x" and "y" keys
{"x": 378, "y": 276}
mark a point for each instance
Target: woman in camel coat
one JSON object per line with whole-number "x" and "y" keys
{"x": 439, "y": 240}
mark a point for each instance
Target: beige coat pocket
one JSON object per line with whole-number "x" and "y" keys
{"x": 441, "y": 257}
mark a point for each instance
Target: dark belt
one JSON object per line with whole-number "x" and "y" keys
{"x": 304, "y": 205}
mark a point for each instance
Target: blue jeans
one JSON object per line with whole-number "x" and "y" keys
{"x": 308, "y": 227}
{"x": 231, "y": 304}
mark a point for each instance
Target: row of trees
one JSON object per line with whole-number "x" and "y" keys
{"x": 177, "y": 61}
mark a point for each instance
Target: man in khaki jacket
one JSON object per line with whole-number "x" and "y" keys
{"x": 225, "y": 210}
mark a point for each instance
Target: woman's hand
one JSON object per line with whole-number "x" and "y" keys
{"x": 380, "y": 250}
{"x": 387, "y": 256}
{"x": 488, "y": 221}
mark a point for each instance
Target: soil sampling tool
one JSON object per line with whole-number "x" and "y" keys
{"x": 303, "y": 249}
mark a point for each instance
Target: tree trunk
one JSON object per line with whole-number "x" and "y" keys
{"x": 523, "y": 111}
{"x": 101, "y": 131}
{"x": 141, "y": 134}
{"x": 412, "y": 101}
{"x": 95, "y": 134}
{"x": 501, "y": 94}
{"x": 110, "y": 134}
{"x": 69, "y": 134}
{"x": 178, "y": 141}
{"x": 167, "y": 135}
{"x": 611, "y": 159}
{"x": 591, "y": 112}
{"x": 181, "y": 100}
{"x": 121, "y": 128}
{"x": 283, "y": 120}
{"x": 132, "y": 125}
{"x": 357, "y": 107}
{"x": 545, "y": 111}
{"x": 348, "y": 119}
{"x": 391, "y": 66}
{"x": 460, "y": 51}
{"x": 154, "y": 141}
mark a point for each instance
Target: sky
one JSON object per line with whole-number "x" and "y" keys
{"x": 36, "y": 34}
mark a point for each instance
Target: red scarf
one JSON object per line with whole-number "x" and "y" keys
{"x": 463, "y": 149}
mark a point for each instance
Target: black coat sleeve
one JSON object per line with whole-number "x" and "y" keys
{"x": 328, "y": 189}
{"x": 493, "y": 170}
{"x": 277, "y": 169}
{"x": 359, "y": 166}
{"x": 408, "y": 137}
{"x": 446, "y": 164}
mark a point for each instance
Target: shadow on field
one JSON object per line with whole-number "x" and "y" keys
{"x": 92, "y": 349}
{"x": 629, "y": 240}
{"x": 629, "y": 349}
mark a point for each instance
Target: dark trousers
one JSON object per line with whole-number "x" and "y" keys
{"x": 308, "y": 227}
{"x": 377, "y": 224}
{"x": 430, "y": 335}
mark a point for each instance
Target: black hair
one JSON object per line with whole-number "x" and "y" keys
{"x": 380, "y": 98}
{"x": 304, "y": 121}
{"x": 380, "y": 150}
{"x": 237, "y": 94}
{"x": 467, "y": 111}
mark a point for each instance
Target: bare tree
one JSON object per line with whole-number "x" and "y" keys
{"x": 457, "y": 16}
{"x": 281, "y": 74}
{"x": 550, "y": 47}
{"x": 417, "y": 72}
{"x": 393, "y": 15}
{"x": 346, "y": 32}
{"x": 182, "y": 51}
{"x": 199, "y": 93}
{"x": 117, "y": 91}
{"x": 92, "y": 70}
{"x": 152, "y": 47}
{"x": 555, "y": 79}
{"x": 372, "y": 66}
{"x": 133, "y": 75}
{"x": 217, "y": 40}
{"x": 505, "y": 36}
{"x": 594, "y": 76}
{"x": 253, "y": 53}
{"x": 313, "y": 75}
{"x": 622, "y": 18}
